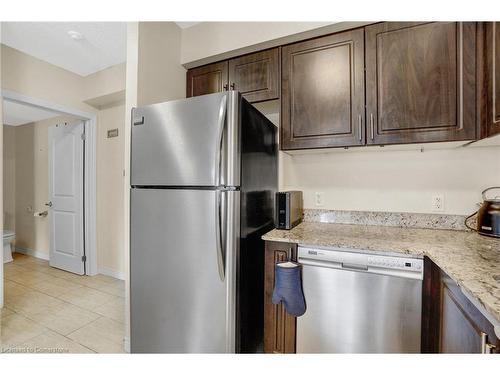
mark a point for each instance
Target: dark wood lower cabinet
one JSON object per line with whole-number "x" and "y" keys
{"x": 450, "y": 322}
{"x": 431, "y": 310}
{"x": 279, "y": 327}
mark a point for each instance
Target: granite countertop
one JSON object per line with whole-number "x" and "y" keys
{"x": 471, "y": 260}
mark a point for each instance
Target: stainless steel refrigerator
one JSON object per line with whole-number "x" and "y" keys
{"x": 203, "y": 179}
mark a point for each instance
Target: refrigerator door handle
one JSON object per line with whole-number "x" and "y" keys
{"x": 219, "y": 209}
{"x": 218, "y": 159}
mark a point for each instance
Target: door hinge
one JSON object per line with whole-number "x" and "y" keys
{"x": 83, "y": 136}
{"x": 84, "y": 258}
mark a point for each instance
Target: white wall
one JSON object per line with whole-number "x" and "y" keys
{"x": 130, "y": 102}
{"x": 395, "y": 181}
{"x": 32, "y": 77}
{"x": 110, "y": 166}
{"x": 208, "y": 39}
{"x": 1, "y": 177}
{"x": 9, "y": 177}
{"x": 160, "y": 76}
{"x": 104, "y": 82}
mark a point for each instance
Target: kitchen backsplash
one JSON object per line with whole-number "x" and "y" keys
{"x": 392, "y": 219}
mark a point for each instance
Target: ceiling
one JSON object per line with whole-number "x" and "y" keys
{"x": 15, "y": 114}
{"x": 104, "y": 44}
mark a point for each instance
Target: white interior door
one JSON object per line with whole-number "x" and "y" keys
{"x": 66, "y": 148}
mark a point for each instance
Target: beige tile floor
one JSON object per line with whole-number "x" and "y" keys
{"x": 52, "y": 311}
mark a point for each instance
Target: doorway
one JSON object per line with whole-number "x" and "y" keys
{"x": 46, "y": 306}
{"x": 69, "y": 206}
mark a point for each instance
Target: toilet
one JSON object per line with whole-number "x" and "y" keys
{"x": 8, "y": 238}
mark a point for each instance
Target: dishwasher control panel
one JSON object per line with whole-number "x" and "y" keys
{"x": 395, "y": 262}
{"x": 362, "y": 261}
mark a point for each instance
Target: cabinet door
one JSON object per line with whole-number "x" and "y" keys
{"x": 450, "y": 321}
{"x": 463, "y": 328}
{"x": 207, "y": 79}
{"x": 279, "y": 326}
{"x": 256, "y": 76}
{"x": 323, "y": 92}
{"x": 420, "y": 82}
{"x": 492, "y": 31}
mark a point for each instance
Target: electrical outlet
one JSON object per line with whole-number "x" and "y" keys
{"x": 319, "y": 199}
{"x": 438, "y": 203}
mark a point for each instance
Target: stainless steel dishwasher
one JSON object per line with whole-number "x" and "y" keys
{"x": 359, "y": 303}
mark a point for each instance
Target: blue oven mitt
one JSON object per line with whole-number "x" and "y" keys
{"x": 288, "y": 288}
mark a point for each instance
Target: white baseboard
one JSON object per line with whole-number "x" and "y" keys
{"x": 111, "y": 272}
{"x": 41, "y": 255}
{"x": 33, "y": 253}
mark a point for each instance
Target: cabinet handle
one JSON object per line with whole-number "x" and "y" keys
{"x": 233, "y": 86}
{"x": 360, "y": 126}
{"x": 225, "y": 87}
{"x": 490, "y": 348}
{"x": 371, "y": 126}
{"x": 486, "y": 348}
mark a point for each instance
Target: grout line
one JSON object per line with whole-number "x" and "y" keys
{"x": 82, "y": 285}
{"x": 30, "y": 288}
{"x": 85, "y": 325}
{"x": 70, "y": 281}
{"x": 51, "y": 330}
{"x": 23, "y": 315}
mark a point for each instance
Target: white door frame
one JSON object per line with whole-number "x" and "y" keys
{"x": 90, "y": 212}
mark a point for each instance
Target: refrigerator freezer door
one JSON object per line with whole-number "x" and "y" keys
{"x": 179, "y": 304}
{"x": 179, "y": 143}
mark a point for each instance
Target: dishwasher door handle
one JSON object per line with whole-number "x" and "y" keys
{"x": 354, "y": 267}
{"x": 320, "y": 263}
{"x": 330, "y": 264}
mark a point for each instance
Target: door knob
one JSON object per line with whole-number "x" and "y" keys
{"x": 48, "y": 204}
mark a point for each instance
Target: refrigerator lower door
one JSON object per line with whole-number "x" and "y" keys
{"x": 179, "y": 303}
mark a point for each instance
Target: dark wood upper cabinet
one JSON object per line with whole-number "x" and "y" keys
{"x": 279, "y": 326}
{"x": 322, "y": 102}
{"x": 492, "y": 78}
{"x": 420, "y": 82}
{"x": 387, "y": 83}
{"x": 207, "y": 79}
{"x": 256, "y": 76}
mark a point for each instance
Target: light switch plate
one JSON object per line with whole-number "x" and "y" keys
{"x": 113, "y": 133}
